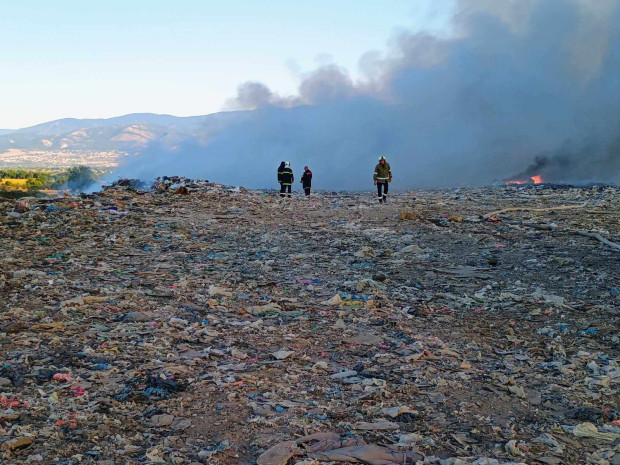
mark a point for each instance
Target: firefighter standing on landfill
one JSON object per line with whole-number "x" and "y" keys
{"x": 285, "y": 178}
{"x": 306, "y": 180}
{"x": 382, "y": 176}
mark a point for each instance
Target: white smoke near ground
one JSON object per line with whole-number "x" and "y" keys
{"x": 521, "y": 85}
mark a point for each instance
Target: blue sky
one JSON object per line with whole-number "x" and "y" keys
{"x": 99, "y": 59}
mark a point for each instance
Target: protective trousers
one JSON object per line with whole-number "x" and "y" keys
{"x": 382, "y": 196}
{"x": 284, "y": 188}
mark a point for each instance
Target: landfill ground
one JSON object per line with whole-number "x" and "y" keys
{"x": 226, "y": 326}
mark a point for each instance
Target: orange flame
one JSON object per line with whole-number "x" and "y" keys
{"x": 537, "y": 179}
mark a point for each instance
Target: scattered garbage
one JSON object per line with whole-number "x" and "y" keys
{"x": 197, "y": 323}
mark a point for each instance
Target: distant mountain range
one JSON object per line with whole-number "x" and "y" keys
{"x": 125, "y": 133}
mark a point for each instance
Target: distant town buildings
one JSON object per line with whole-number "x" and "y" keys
{"x": 14, "y": 158}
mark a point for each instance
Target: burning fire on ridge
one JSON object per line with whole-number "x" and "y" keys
{"x": 536, "y": 179}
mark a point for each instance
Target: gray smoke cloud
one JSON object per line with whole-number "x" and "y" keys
{"x": 254, "y": 95}
{"x": 521, "y": 85}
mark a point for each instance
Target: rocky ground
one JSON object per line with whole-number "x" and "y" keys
{"x": 230, "y": 327}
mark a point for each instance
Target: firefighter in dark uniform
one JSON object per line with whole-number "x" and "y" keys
{"x": 382, "y": 176}
{"x": 280, "y": 168}
{"x": 285, "y": 178}
{"x": 306, "y": 180}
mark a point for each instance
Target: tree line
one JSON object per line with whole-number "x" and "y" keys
{"x": 75, "y": 178}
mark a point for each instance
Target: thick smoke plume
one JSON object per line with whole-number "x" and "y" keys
{"x": 522, "y": 83}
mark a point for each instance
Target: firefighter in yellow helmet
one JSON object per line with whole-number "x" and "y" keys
{"x": 382, "y": 178}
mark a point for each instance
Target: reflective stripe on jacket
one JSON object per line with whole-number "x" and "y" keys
{"x": 285, "y": 176}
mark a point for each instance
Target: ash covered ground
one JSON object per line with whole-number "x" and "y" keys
{"x": 229, "y": 326}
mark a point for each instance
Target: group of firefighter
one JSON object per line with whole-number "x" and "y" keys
{"x": 382, "y": 178}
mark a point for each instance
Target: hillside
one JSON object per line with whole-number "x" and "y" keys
{"x": 245, "y": 147}
{"x": 125, "y": 133}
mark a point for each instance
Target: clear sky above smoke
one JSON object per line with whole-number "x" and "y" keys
{"x": 94, "y": 59}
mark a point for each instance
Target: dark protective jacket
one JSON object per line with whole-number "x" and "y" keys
{"x": 306, "y": 179}
{"x": 285, "y": 176}
{"x": 280, "y": 168}
{"x": 383, "y": 173}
